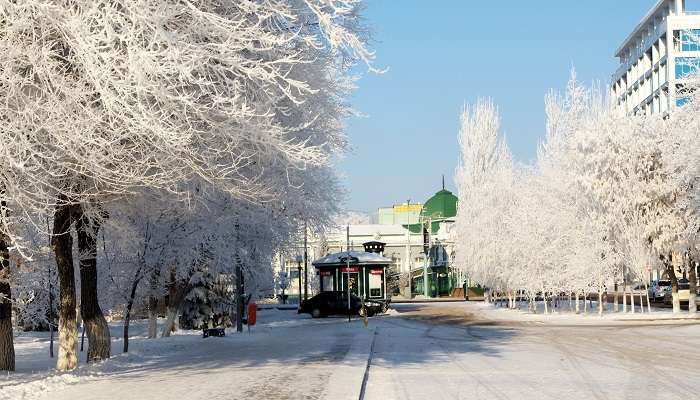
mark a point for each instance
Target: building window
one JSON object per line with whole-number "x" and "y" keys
{"x": 682, "y": 95}
{"x": 681, "y": 101}
{"x": 690, "y": 40}
{"x": 686, "y": 66}
{"x": 375, "y": 285}
{"x": 327, "y": 283}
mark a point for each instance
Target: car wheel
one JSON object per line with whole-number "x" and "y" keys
{"x": 316, "y": 313}
{"x": 370, "y": 313}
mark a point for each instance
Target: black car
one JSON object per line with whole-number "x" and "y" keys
{"x": 331, "y": 303}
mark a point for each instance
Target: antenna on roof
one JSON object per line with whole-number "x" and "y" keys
{"x": 443, "y": 181}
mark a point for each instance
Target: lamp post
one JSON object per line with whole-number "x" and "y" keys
{"x": 408, "y": 249}
{"x": 299, "y": 259}
{"x": 306, "y": 265}
{"x": 426, "y": 250}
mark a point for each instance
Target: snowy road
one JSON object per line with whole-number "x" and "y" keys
{"x": 452, "y": 352}
{"x": 421, "y": 351}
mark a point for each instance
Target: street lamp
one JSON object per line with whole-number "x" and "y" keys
{"x": 299, "y": 260}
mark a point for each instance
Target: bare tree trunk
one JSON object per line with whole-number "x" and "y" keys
{"x": 153, "y": 305}
{"x": 674, "y": 284}
{"x": 692, "y": 298}
{"x": 129, "y": 305}
{"x": 616, "y": 302}
{"x": 99, "y": 341}
{"x": 585, "y": 302}
{"x": 176, "y": 299}
{"x": 577, "y": 303}
{"x": 600, "y": 302}
{"x": 646, "y": 290}
{"x": 624, "y": 299}
{"x": 7, "y": 348}
{"x": 544, "y": 297}
{"x": 62, "y": 243}
{"x": 632, "y": 299}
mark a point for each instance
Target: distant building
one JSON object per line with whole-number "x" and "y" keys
{"x": 399, "y": 214}
{"x": 401, "y": 229}
{"x": 655, "y": 60}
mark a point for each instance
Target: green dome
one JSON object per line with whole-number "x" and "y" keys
{"x": 442, "y": 205}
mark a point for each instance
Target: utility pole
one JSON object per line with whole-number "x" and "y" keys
{"x": 239, "y": 297}
{"x": 408, "y": 250}
{"x": 347, "y": 266}
{"x": 306, "y": 264}
{"x": 299, "y": 260}
{"x": 426, "y": 251}
{"x": 50, "y": 315}
{"x": 239, "y": 284}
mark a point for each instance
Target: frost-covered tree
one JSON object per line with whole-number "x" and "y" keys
{"x": 608, "y": 197}
{"x": 104, "y": 98}
{"x": 483, "y": 152}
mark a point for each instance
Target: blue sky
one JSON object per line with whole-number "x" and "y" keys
{"x": 441, "y": 56}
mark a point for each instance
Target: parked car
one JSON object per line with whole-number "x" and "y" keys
{"x": 658, "y": 289}
{"x": 336, "y": 303}
{"x": 683, "y": 292}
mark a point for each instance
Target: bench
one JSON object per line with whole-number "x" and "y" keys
{"x": 220, "y": 332}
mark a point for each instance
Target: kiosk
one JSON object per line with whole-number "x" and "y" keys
{"x": 365, "y": 272}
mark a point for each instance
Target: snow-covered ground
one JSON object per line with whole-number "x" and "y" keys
{"x": 285, "y": 356}
{"x": 435, "y": 351}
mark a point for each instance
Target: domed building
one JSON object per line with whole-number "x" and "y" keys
{"x": 436, "y": 220}
{"x": 439, "y": 208}
{"x": 418, "y": 238}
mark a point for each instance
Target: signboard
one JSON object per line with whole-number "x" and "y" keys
{"x": 406, "y": 208}
{"x": 326, "y": 273}
{"x": 350, "y": 269}
{"x": 376, "y": 271}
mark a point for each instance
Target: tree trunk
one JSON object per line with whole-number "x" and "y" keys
{"x": 7, "y": 348}
{"x": 152, "y": 317}
{"x": 632, "y": 299}
{"x": 616, "y": 302}
{"x": 577, "y": 303}
{"x": 624, "y": 299}
{"x": 176, "y": 299}
{"x": 173, "y": 311}
{"x": 674, "y": 285}
{"x": 153, "y": 304}
{"x": 129, "y": 305}
{"x": 585, "y": 302}
{"x": 692, "y": 298}
{"x": 99, "y": 343}
{"x": 600, "y": 302}
{"x": 62, "y": 243}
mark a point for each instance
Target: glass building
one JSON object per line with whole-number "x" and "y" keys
{"x": 656, "y": 60}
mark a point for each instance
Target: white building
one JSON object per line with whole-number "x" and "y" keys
{"x": 402, "y": 233}
{"x": 655, "y": 57}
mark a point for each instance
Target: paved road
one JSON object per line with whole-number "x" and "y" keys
{"x": 442, "y": 351}
{"x": 423, "y": 351}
